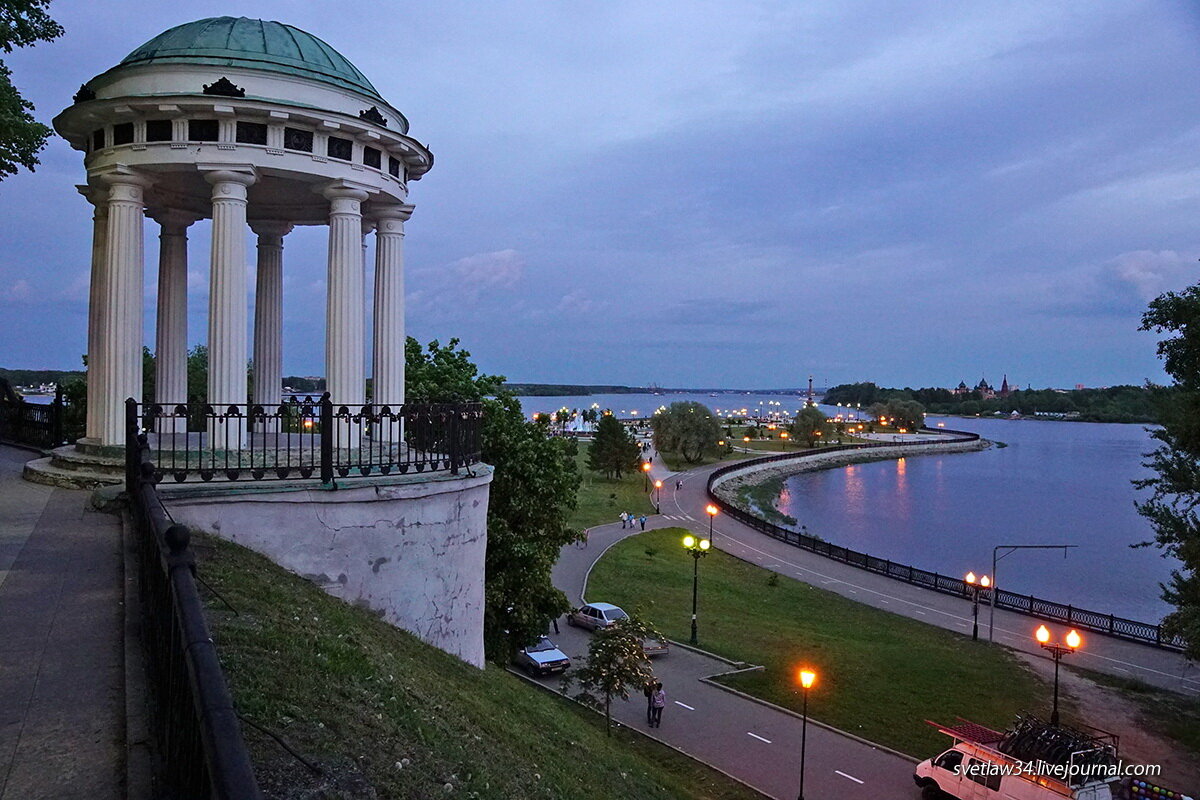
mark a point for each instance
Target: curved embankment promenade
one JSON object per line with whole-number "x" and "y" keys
{"x": 726, "y": 484}
{"x": 722, "y": 489}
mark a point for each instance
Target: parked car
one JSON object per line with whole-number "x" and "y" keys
{"x": 542, "y": 658}
{"x": 594, "y": 616}
{"x": 655, "y": 647}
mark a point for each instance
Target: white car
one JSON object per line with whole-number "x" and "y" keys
{"x": 594, "y": 616}
{"x": 542, "y": 658}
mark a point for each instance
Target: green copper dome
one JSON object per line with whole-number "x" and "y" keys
{"x": 253, "y": 44}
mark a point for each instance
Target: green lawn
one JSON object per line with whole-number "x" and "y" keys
{"x": 602, "y": 500}
{"x": 385, "y": 715}
{"x": 881, "y": 675}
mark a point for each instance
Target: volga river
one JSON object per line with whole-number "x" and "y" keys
{"x": 1054, "y": 483}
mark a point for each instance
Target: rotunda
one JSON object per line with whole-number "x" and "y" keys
{"x": 253, "y": 124}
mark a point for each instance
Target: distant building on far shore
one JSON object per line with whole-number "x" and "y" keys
{"x": 984, "y": 389}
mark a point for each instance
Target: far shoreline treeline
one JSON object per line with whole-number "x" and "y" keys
{"x": 1129, "y": 404}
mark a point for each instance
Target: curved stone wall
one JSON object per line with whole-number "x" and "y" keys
{"x": 409, "y": 548}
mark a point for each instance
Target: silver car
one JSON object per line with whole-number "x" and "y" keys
{"x": 594, "y": 616}
{"x": 542, "y": 658}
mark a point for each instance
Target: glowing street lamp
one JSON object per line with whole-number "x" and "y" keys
{"x": 807, "y": 679}
{"x": 699, "y": 549}
{"x": 982, "y": 583}
{"x": 712, "y": 511}
{"x": 657, "y": 490}
{"x": 646, "y": 473}
{"x": 1058, "y": 650}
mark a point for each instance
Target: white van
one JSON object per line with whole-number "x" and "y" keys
{"x": 976, "y": 768}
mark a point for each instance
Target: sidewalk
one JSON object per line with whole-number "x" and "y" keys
{"x": 62, "y": 705}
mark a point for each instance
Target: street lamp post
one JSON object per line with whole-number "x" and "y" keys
{"x": 657, "y": 493}
{"x": 699, "y": 549}
{"x": 1009, "y": 549}
{"x": 1058, "y": 650}
{"x": 646, "y": 473}
{"x": 807, "y": 679}
{"x": 984, "y": 582}
{"x": 712, "y": 511}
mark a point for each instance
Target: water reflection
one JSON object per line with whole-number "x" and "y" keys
{"x": 1055, "y": 482}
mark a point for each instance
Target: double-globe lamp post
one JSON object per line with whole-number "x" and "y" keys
{"x": 807, "y": 679}
{"x": 699, "y": 549}
{"x": 982, "y": 583}
{"x": 1058, "y": 649}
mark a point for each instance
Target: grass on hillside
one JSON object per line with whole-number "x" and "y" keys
{"x": 601, "y": 500}
{"x": 385, "y": 715}
{"x": 880, "y": 675}
{"x": 1166, "y": 713}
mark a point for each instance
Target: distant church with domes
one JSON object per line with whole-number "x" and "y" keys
{"x": 985, "y": 390}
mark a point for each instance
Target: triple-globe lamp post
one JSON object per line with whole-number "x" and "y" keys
{"x": 699, "y": 549}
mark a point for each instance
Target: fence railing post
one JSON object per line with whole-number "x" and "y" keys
{"x": 133, "y": 453}
{"x": 326, "y": 406}
{"x": 452, "y": 435}
{"x": 56, "y": 417}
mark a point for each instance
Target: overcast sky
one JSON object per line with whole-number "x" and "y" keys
{"x": 702, "y": 193}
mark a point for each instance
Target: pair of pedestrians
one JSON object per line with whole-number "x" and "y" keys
{"x": 656, "y": 700}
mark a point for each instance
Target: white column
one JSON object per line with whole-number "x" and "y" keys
{"x": 170, "y": 344}
{"x": 227, "y": 346}
{"x": 119, "y": 345}
{"x": 268, "y": 317}
{"x": 344, "y": 324}
{"x": 96, "y": 311}
{"x": 388, "y": 342}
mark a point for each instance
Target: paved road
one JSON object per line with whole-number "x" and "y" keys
{"x": 62, "y": 702}
{"x": 1161, "y": 668}
{"x": 753, "y": 742}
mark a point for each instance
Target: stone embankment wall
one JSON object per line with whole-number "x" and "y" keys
{"x": 726, "y": 487}
{"x": 411, "y": 549}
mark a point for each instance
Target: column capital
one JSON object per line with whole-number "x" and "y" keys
{"x": 342, "y": 190}
{"x": 216, "y": 174}
{"x": 173, "y": 220}
{"x": 391, "y": 218}
{"x": 270, "y": 227}
{"x": 124, "y": 185}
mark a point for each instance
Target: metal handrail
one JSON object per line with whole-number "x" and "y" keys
{"x": 1040, "y": 608}
{"x": 198, "y": 735}
{"x": 307, "y": 438}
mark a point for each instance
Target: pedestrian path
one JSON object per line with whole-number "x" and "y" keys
{"x": 755, "y": 743}
{"x": 62, "y": 703}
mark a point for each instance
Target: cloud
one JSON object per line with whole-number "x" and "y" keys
{"x": 19, "y": 292}
{"x": 483, "y": 279}
{"x": 1152, "y": 273}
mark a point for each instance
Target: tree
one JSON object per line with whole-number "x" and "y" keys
{"x": 809, "y": 425}
{"x": 613, "y": 451}
{"x": 899, "y": 413}
{"x": 22, "y": 23}
{"x": 437, "y": 374}
{"x": 689, "y": 429}
{"x": 1172, "y": 506}
{"x": 533, "y": 493}
{"x": 616, "y": 662}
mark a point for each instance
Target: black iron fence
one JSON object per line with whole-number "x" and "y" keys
{"x": 199, "y": 740}
{"x": 306, "y": 438}
{"x": 41, "y": 425}
{"x": 1143, "y": 632}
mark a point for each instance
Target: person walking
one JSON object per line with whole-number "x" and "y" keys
{"x": 658, "y": 700}
{"x": 678, "y": 485}
{"x": 642, "y": 521}
{"x": 624, "y": 519}
{"x": 648, "y": 690}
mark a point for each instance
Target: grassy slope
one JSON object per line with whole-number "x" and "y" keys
{"x": 361, "y": 697}
{"x": 881, "y": 675}
{"x": 601, "y": 500}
